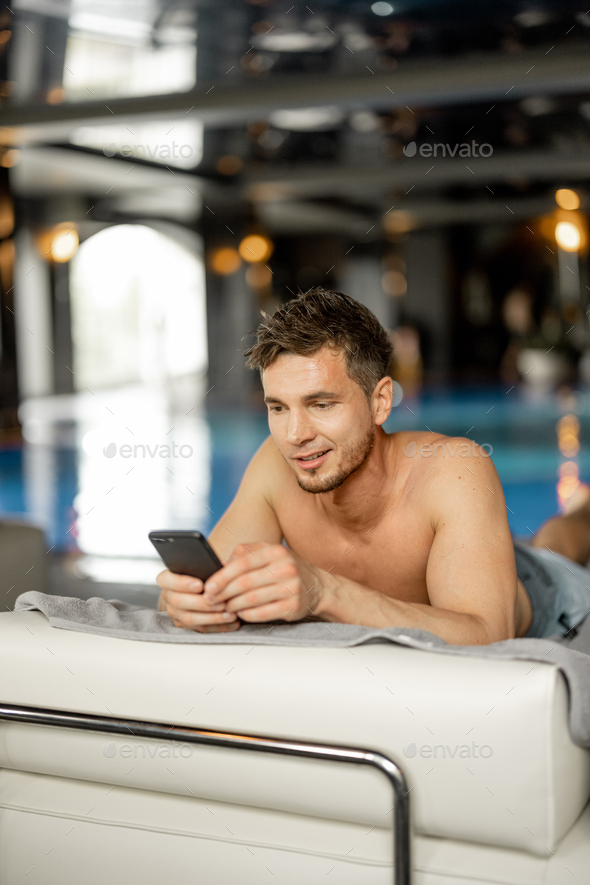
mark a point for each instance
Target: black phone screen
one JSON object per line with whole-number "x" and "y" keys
{"x": 186, "y": 553}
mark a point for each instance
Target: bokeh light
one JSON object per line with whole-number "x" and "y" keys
{"x": 64, "y": 245}
{"x": 256, "y": 247}
{"x": 6, "y": 217}
{"x": 394, "y": 283}
{"x": 10, "y": 158}
{"x": 382, "y": 8}
{"x": 568, "y": 236}
{"x": 230, "y": 164}
{"x": 569, "y": 480}
{"x": 568, "y": 436}
{"x": 568, "y": 441}
{"x": 56, "y": 95}
{"x": 225, "y": 261}
{"x": 258, "y": 276}
{"x": 567, "y": 199}
{"x": 59, "y": 243}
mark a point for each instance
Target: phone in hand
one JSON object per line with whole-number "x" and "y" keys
{"x": 186, "y": 553}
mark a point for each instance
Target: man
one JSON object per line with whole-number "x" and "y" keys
{"x": 337, "y": 520}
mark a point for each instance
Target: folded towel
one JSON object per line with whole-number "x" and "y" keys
{"x": 121, "y": 620}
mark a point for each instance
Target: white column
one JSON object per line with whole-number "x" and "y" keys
{"x": 32, "y": 310}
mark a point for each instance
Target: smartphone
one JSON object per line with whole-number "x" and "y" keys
{"x": 186, "y": 553}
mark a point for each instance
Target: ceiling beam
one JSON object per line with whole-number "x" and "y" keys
{"x": 295, "y": 218}
{"x": 439, "y": 81}
{"x": 362, "y": 182}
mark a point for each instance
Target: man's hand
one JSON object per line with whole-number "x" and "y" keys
{"x": 183, "y": 599}
{"x": 265, "y": 582}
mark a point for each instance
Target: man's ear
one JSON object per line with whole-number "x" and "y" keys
{"x": 382, "y": 400}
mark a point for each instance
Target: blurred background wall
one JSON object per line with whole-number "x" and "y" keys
{"x": 168, "y": 168}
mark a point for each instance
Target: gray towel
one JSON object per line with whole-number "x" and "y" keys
{"x": 124, "y": 621}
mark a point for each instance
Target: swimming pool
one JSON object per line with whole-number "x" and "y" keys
{"x": 66, "y": 477}
{"x": 521, "y": 428}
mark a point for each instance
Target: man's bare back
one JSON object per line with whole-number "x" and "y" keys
{"x": 380, "y": 530}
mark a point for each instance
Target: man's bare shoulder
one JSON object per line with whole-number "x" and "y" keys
{"x": 439, "y": 449}
{"x": 411, "y": 442}
{"x": 450, "y": 465}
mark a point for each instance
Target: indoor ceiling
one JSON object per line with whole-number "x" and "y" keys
{"x": 307, "y": 109}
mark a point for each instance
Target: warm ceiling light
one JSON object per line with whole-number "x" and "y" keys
{"x": 59, "y": 243}
{"x": 5, "y": 37}
{"x": 394, "y": 283}
{"x": 10, "y": 158}
{"x": 567, "y": 199}
{"x": 568, "y": 236}
{"x": 56, "y": 95}
{"x": 399, "y": 222}
{"x": 225, "y": 261}
{"x": 64, "y": 242}
{"x": 259, "y": 276}
{"x": 229, "y": 164}
{"x": 6, "y": 263}
{"x": 255, "y": 247}
{"x": 6, "y": 217}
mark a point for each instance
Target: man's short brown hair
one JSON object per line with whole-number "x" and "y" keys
{"x": 320, "y": 318}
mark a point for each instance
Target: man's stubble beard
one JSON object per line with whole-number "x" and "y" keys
{"x": 355, "y": 457}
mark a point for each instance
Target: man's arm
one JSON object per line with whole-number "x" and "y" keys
{"x": 471, "y": 574}
{"x": 249, "y": 518}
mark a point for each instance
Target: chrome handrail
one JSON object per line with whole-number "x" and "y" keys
{"x": 253, "y": 743}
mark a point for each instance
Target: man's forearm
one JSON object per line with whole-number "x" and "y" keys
{"x": 344, "y": 601}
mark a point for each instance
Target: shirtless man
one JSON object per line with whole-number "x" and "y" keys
{"x": 337, "y": 520}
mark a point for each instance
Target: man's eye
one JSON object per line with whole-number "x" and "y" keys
{"x": 276, "y": 408}
{"x": 324, "y": 405}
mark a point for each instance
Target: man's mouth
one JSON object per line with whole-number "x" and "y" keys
{"x": 313, "y": 460}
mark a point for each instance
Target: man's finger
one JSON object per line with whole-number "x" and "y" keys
{"x": 260, "y": 596}
{"x": 266, "y": 558}
{"x": 181, "y": 583}
{"x": 275, "y": 611}
{"x": 281, "y": 575}
{"x": 251, "y": 559}
{"x": 214, "y": 628}
{"x": 192, "y": 619}
{"x": 195, "y": 602}
{"x": 210, "y": 628}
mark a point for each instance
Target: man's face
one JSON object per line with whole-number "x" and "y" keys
{"x": 318, "y": 417}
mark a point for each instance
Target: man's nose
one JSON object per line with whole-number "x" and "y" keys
{"x": 300, "y": 429}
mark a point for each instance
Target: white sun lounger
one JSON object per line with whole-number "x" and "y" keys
{"x": 479, "y": 749}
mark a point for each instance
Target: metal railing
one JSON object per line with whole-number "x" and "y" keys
{"x": 251, "y": 743}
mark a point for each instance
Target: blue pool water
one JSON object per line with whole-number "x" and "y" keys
{"x": 50, "y": 480}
